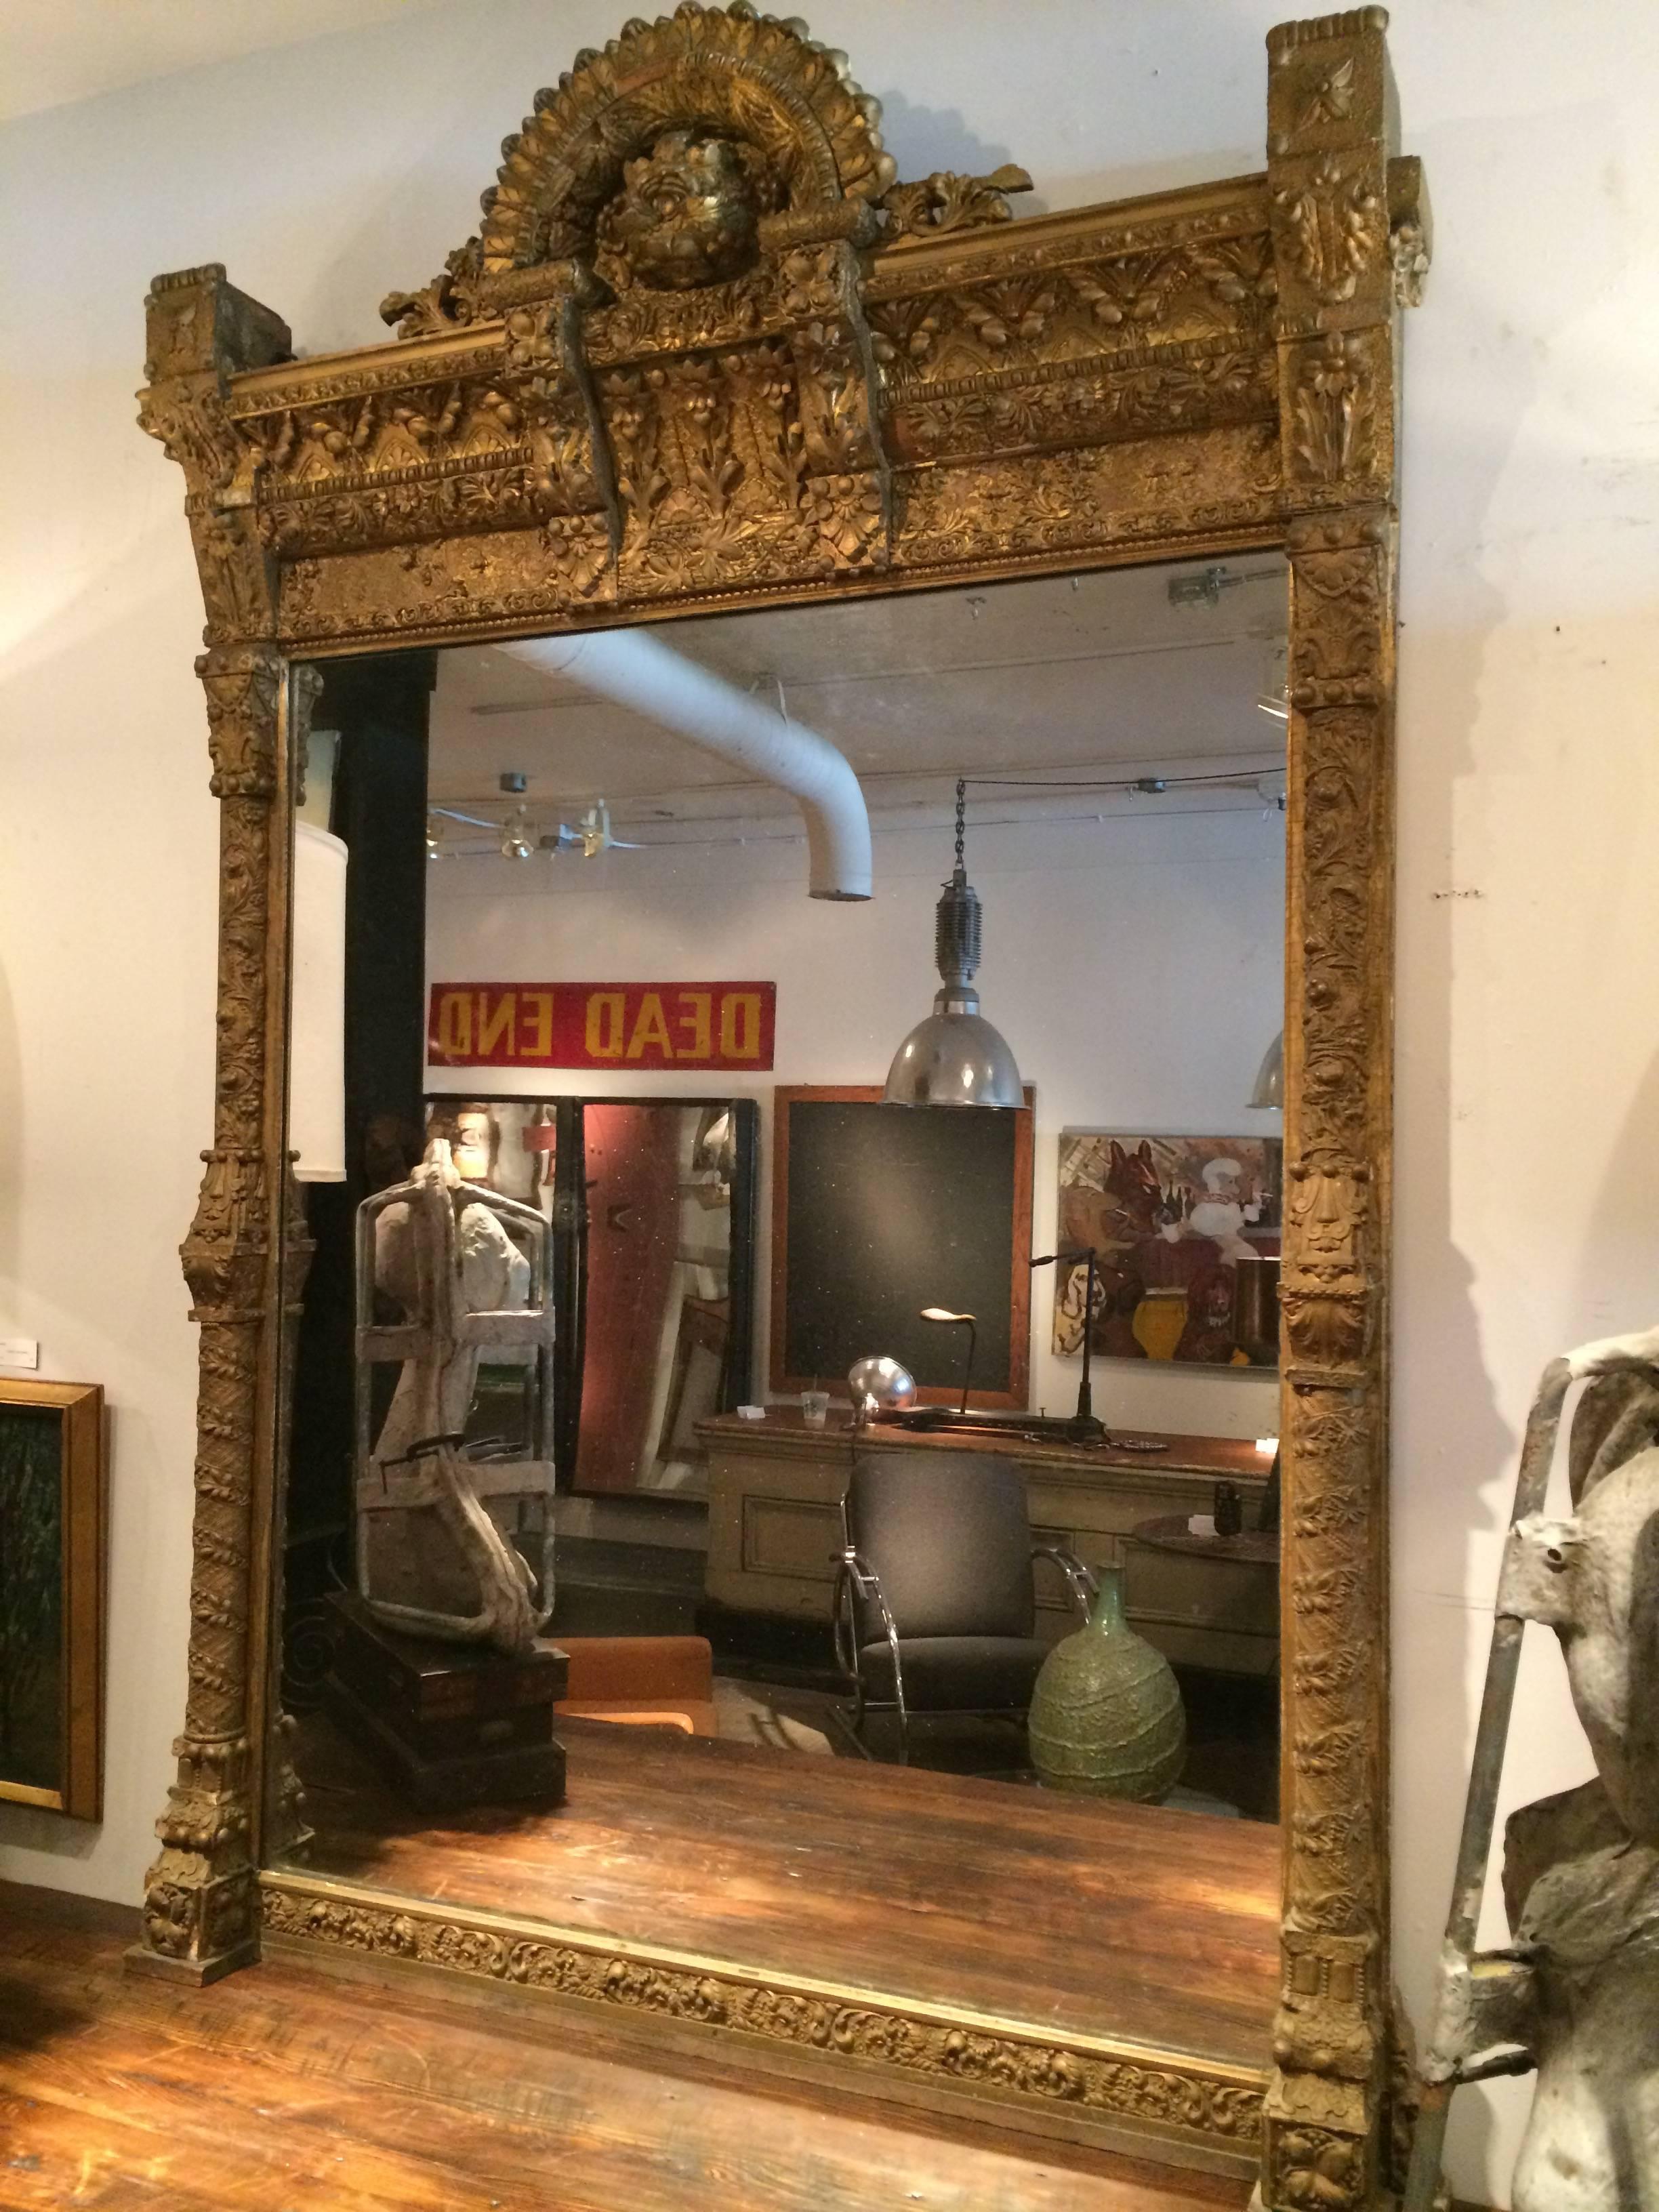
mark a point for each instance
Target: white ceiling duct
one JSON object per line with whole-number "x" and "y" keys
{"x": 639, "y": 671}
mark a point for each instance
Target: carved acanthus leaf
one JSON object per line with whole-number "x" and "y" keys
{"x": 1336, "y": 222}
{"x": 1313, "y": 2167}
{"x": 946, "y": 201}
{"x": 447, "y": 303}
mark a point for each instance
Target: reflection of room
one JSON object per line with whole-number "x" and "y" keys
{"x": 654, "y": 1070}
{"x": 1120, "y": 770}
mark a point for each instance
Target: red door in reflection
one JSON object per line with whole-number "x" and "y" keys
{"x": 632, "y": 1236}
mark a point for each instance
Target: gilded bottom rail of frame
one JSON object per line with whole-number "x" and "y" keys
{"x": 1207, "y": 2110}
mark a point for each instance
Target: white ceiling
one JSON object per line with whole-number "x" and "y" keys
{"x": 1098, "y": 671}
{"x": 58, "y": 51}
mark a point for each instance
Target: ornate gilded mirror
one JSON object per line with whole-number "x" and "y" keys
{"x": 707, "y": 364}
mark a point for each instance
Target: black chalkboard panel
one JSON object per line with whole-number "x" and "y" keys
{"x": 878, "y": 1211}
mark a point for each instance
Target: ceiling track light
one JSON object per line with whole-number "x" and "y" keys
{"x": 517, "y": 835}
{"x": 955, "y": 1058}
{"x": 518, "y": 832}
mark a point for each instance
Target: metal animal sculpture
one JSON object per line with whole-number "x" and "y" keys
{"x": 1576, "y": 1994}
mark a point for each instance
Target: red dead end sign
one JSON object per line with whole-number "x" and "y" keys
{"x": 677, "y": 1025}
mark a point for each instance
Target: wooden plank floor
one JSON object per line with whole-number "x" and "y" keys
{"x": 285, "y": 2088}
{"x": 1157, "y": 1927}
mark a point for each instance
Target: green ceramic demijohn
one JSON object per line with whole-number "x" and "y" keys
{"x": 1106, "y": 1716}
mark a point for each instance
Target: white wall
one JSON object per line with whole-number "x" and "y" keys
{"x": 1134, "y": 964}
{"x": 1529, "y": 1089}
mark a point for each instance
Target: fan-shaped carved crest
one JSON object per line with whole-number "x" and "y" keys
{"x": 711, "y": 118}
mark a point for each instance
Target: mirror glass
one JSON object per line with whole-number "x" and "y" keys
{"x": 649, "y": 1203}
{"x": 729, "y": 1507}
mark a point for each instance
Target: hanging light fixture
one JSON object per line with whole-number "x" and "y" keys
{"x": 518, "y": 833}
{"x": 955, "y": 1058}
{"x": 1274, "y": 698}
{"x": 1269, "y": 1092}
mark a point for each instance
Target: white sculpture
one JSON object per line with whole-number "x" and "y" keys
{"x": 1575, "y": 1994}
{"x": 435, "y": 1529}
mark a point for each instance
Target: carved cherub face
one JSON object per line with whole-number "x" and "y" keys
{"x": 688, "y": 213}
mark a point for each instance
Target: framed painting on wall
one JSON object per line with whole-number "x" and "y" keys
{"x": 51, "y": 1595}
{"x": 1186, "y": 1231}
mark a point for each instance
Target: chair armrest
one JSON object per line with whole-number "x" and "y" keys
{"x": 853, "y": 1572}
{"x": 1080, "y": 1580}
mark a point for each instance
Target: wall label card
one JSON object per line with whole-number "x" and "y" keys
{"x": 645, "y": 1025}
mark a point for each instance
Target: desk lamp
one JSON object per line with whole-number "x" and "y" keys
{"x": 1078, "y": 1428}
{"x": 1083, "y": 1427}
{"x": 943, "y": 1314}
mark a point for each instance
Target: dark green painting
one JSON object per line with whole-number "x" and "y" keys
{"x": 31, "y": 1596}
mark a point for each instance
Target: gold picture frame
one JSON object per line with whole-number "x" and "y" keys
{"x": 52, "y": 1573}
{"x": 870, "y": 386}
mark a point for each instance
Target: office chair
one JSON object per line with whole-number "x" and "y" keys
{"x": 934, "y": 1606}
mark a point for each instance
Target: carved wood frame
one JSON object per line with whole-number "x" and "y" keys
{"x": 874, "y": 386}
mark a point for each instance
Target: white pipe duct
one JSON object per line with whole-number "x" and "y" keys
{"x": 637, "y": 670}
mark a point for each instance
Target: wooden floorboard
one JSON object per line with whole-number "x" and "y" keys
{"x": 1081, "y": 1916}
{"x": 286, "y": 2089}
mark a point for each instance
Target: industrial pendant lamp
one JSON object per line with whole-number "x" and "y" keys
{"x": 955, "y": 1058}
{"x": 1269, "y": 1091}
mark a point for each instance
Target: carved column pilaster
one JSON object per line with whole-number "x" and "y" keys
{"x": 1329, "y": 187}
{"x": 199, "y": 1915}
{"x": 198, "y": 1904}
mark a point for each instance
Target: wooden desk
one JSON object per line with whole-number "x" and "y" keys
{"x": 1223, "y": 1583}
{"x": 775, "y": 1490}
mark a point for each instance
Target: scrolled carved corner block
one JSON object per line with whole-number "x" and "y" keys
{"x": 200, "y": 332}
{"x": 200, "y": 1913}
{"x": 1321, "y": 2137}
